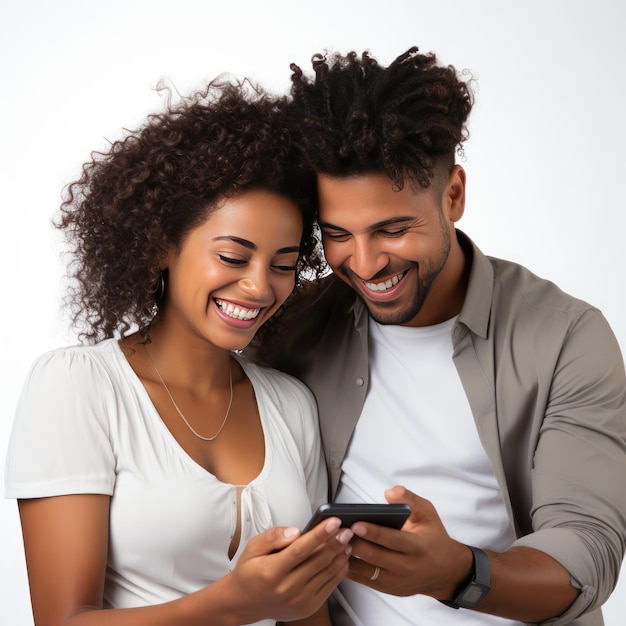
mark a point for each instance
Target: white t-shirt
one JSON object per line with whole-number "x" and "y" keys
{"x": 85, "y": 424}
{"x": 417, "y": 430}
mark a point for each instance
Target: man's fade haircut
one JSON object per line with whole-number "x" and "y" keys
{"x": 357, "y": 116}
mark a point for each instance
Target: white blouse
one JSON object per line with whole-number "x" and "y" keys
{"x": 85, "y": 424}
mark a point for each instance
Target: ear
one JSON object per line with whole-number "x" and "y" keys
{"x": 454, "y": 194}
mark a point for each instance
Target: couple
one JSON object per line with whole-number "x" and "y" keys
{"x": 163, "y": 475}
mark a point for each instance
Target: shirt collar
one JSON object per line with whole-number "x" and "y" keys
{"x": 476, "y": 310}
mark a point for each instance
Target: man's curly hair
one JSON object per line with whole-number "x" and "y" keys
{"x": 154, "y": 185}
{"x": 359, "y": 117}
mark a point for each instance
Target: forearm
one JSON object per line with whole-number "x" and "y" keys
{"x": 527, "y": 585}
{"x": 210, "y": 605}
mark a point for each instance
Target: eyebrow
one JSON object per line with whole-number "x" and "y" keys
{"x": 252, "y": 246}
{"x": 392, "y": 220}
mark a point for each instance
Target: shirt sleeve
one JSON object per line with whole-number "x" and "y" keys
{"x": 60, "y": 440}
{"x": 579, "y": 500}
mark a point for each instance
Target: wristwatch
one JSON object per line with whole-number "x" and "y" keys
{"x": 477, "y": 587}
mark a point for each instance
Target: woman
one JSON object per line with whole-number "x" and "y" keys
{"x": 161, "y": 478}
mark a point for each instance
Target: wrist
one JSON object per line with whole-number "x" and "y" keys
{"x": 226, "y": 603}
{"x": 475, "y": 585}
{"x": 456, "y": 570}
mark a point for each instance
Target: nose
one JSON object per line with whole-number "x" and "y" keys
{"x": 256, "y": 283}
{"x": 367, "y": 258}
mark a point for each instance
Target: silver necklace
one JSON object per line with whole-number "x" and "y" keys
{"x": 191, "y": 428}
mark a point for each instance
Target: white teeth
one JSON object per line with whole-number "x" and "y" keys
{"x": 388, "y": 284}
{"x": 239, "y": 313}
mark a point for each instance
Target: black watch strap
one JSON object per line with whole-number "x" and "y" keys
{"x": 476, "y": 588}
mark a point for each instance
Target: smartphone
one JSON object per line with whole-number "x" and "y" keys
{"x": 390, "y": 515}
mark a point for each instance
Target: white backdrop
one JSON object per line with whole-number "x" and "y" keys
{"x": 545, "y": 160}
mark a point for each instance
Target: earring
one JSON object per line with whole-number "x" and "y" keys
{"x": 159, "y": 294}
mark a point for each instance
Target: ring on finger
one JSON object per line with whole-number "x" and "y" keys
{"x": 374, "y": 576}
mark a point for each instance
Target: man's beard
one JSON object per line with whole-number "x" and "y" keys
{"x": 405, "y": 315}
{"x": 422, "y": 289}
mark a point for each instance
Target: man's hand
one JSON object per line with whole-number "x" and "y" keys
{"x": 526, "y": 584}
{"x": 420, "y": 558}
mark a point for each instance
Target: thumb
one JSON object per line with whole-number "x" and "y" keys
{"x": 272, "y": 540}
{"x": 421, "y": 509}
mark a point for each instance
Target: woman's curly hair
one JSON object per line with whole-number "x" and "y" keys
{"x": 157, "y": 183}
{"x": 357, "y": 116}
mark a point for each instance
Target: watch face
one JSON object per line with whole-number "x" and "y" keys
{"x": 473, "y": 594}
{"x": 479, "y": 585}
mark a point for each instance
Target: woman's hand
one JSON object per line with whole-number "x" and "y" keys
{"x": 281, "y": 574}
{"x": 284, "y": 575}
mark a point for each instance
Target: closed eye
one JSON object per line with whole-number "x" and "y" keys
{"x": 231, "y": 261}
{"x": 397, "y": 232}
{"x": 336, "y": 235}
{"x": 285, "y": 268}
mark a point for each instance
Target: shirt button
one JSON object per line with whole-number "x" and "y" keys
{"x": 359, "y": 382}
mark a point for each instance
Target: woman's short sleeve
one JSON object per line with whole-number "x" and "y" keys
{"x": 60, "y": 442}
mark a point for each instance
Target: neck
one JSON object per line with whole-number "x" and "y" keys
{"x": 184, "y": 360}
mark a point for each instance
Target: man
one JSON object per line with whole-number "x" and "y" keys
{"x": 494, "y": 401}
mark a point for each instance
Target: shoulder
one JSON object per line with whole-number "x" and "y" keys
{"x": 77, "y": 367}
{"x": 538, "y": 317}
{"x": 520, "y": 312}
{"x": 290, "y": 398}
{"x": 514, "y": 281}
{"x": 61, "y": 440}
{"x": 535, "y": 305}
{"x": 75, "y": 380}
{"x": 511, "y": 287}
{"x": 504, "y": 294}
{"x": 282, "y": 387}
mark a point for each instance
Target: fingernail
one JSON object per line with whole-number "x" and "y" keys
{"x": 291, "y": 533}
{"x": 345, "y": 535}
{"x": 359, "y": 530}
{"x": 333, "y": 524}
{"x": 348, "y": 549}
